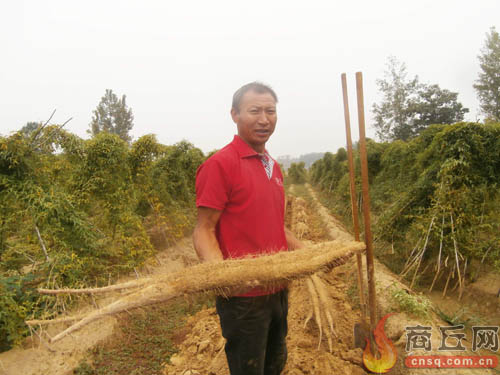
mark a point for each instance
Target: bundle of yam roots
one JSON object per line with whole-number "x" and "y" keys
{"x": 222, "y": 278}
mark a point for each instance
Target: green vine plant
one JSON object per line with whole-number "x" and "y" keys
{"x": 79, "y": 213}
{"x": 435, "y": 201}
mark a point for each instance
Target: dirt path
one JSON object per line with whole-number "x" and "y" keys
{"x": 64, "y": 355}
{"x": 335, "y": 227}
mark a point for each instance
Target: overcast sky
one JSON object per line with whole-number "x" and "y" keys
{"x": 179, "y": 62}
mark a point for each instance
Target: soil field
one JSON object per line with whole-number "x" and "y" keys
{"x": 200, "y": 346}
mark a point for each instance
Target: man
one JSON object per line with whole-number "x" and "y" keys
{"x": 241, "y": 209}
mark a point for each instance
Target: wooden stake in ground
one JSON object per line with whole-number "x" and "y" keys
{"x": 366, "y": 202}
{"x": 361, "y": 329}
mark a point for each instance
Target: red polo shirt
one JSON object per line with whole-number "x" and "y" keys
{"x": 234, "y": 181}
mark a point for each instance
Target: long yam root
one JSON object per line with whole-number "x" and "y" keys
{"x": 325, "y": 300}
{"x": 317, "y": 311}
{"x": 223, "y": 277}
{"x": 321, "y": 309}
{"x": 326, "y": 308}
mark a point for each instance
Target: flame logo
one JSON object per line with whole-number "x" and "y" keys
{"x": 388, "y": 353}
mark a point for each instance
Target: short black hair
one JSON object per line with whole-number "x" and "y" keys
{"x": 258, "y": 87}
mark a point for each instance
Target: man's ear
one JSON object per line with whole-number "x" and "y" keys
{"x": 235, "y": 115}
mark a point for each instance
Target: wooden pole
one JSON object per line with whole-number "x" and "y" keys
{"x": 366, "y": 202}
{"x": 354, "y": 203}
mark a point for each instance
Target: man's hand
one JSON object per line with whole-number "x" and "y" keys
{"x": 292, "y": 241}
{"x": 204, "y": 239}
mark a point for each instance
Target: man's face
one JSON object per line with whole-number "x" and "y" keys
{"x": 256, "y": 119}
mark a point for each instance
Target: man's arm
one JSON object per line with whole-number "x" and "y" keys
{"x": 292, "y": 241}
{"x": 204, "y": 239}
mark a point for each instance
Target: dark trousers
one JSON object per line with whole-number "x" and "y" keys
{"x": 255, "y": 329}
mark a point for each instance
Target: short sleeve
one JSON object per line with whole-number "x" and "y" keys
{"x": 212, "y": 185}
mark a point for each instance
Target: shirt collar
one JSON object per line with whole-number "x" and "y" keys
{"x": 243, "y": 149}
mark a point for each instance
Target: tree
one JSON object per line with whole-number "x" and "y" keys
{"x": 30, "y": 127}
{"x": 488, "y": 83}
{"x": 391, "y": 115}
{"x": 113, "y": 116}
{"x": 409, "y": 106}
{"x": 434, "y": 106}
{"x": 297, "y": 173}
